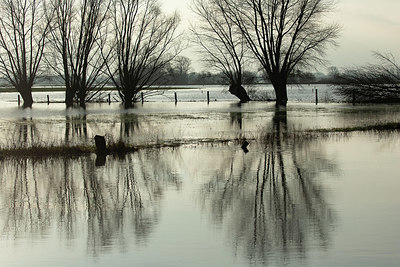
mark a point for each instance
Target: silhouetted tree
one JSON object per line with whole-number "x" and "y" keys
{"x": 223, "y": 44}
{"x": 23, "y": 33}
{"x": 144, "y": 44}
{"x": 78, "y": 39}
{"x": 372, "y": 83}
{"x": 284, "y": 35}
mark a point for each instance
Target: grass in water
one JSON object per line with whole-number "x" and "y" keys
{"x": 392, "y": 126}
{"x": 120, "y": 147}
{"x": 46, "y": 151}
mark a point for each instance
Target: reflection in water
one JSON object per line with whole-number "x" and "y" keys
{"x": 129, "y": 123}
{"x": 24, "y": 133}
{"x": 79, "y": 129}
{"x": 271, "y": 202}
{"x": 122, "y": 197}
{"x": 75, "y": 128}
{"x": 236, "y": 116}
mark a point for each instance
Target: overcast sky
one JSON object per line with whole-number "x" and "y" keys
{"x": 368, "y": 25}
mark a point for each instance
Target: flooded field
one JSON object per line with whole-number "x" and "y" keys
{"x": 324, "y": 199}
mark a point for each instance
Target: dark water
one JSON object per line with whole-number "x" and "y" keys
{"x": 326, "y": 200}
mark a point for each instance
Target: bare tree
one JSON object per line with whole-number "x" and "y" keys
{"x": 79, "y": 35}
{"x": 284, "y": 34}
{"x": 144, "y": 44}
{"x": 177, "y": 71}
{"x": 182, "y": 66}
{"x": 222, "y": 42}
{"x": 23, "y": 33}
{"x": 372, "y": 83}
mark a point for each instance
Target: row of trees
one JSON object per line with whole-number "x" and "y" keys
{"x": 176, "y": 77}
{"x": 278, "y": 35}
{"x": 131, "y": 42}
{"x": 86, "y": 42}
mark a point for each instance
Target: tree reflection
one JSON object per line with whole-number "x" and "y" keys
{"x": 272, "y": 204}
{"x": 122, "y": 197}
{"x": 129, "y": 123}
{"x": 21, "y": 200}
{"x": 236, "y": 116}
{"x": 66, "y": 198}
{"x": 75, "y": 128}
{"x": 23, "y": 134}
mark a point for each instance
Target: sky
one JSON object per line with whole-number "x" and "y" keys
{"x": 367, "y": 26}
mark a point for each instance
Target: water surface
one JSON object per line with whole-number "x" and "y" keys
{"x": 324, "y": 200}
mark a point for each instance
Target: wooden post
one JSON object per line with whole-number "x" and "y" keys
{"x": 100, "y": 142}
{"x": 142, "y": 96}
{"x": 316, "y": 96}
{"x": 244, "y": 146}
{"x": 101, "y": 150}
{"x": 354, "y": 97}
{"x": 208, "y": 97}
{"x": 19, "y": 100}
{"x": 109, "y": 99}
{"x": 176, "y": 98}
{"x": 48, "y": 100}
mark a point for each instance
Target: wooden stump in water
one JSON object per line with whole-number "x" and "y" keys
{"x": 239, "y": 92}
{"x": 100, "y": 160}
{"x": 100, "y": 142}
{"x": 101, "y": 150}
{"x": 244, "y": 146}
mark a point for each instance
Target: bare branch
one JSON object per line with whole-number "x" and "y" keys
{"x": 79, "y": 35}
{"x": 23, "y": 34}
{"x": 374, "y": 83}
{"x": 284, "y": 34}
{"x": 145, "y": 41}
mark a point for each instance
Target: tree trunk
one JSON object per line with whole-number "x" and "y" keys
{"x": 280, "y": 87}
{"x": 239, "y": 92}
{"x": 27, "y": 97}
{"x": 82, "y": 98}
{"x": 128, "y": 103}
{"x": 69, "y": 97}
{"x": 128, "y": 99}
{"x": 82, "y": 103}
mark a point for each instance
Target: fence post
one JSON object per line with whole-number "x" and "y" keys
{"x": 208, "y": 97}
{"x": 19, "y": 100}
{"x": 354, "y": 97}
{"x": 48, "y": 100}
{"x": 316, "y": 96}
{"x": 142, "y": 97}
{"x": 176, "y": 98}
{"x": 109, "y": 99}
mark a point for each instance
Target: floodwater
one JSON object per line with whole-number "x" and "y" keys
{"x": 323, "y": 200}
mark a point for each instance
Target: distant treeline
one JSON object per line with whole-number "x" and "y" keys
{"x": 176, "y": 75}
{"x": 173, "y": 77}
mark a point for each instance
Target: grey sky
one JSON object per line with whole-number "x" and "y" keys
{"x": 368, "y": 25}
